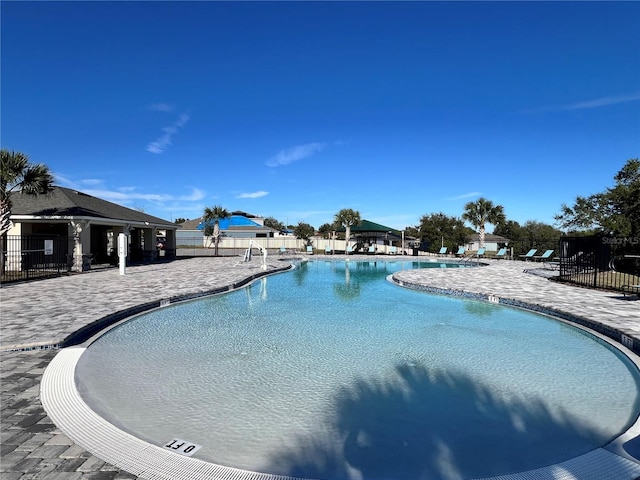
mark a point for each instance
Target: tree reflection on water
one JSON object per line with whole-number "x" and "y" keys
{"x": 429, "y": 424}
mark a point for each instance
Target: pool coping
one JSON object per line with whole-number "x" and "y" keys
{"x": 84, "y": 333}
{"x": 64, "y": 405}
{"x": 602, "y": 328}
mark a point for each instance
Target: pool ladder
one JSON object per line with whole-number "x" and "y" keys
{"x": 469, "y": 258}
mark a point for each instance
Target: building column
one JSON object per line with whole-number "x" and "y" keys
{"x": 80, "y": 232}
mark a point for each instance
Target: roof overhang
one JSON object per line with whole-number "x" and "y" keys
{"x": 91, "y": 220}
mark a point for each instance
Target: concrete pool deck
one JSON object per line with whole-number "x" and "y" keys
{"x": 44, "y": 313}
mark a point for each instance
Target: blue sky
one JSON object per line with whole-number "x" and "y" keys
{"x": 295, "y": 110}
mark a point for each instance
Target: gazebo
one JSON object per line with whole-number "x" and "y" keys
{"x": 367, "y": 232}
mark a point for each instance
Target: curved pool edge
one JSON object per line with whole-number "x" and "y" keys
{"x": 604, "y": 329}
{"x": 64, "y": 405}
{"x": 606, "y": 333}
{"x": 83, "y": 334}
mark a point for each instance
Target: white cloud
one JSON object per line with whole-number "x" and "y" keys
{"x": 603, "y": 102}
{"x": 91, "y": 181}
{"x": 154, "y": 203}
{"x": 124, "y": 194}
{"x": 196, "y": 194}
{"x": 258, "y": 194}
{"x": 161, "y": 144}
{"x": 127, "y": 196}
{"x": 293, "y": 154}
{"x": 160, "y": 107}
{"x": 465, "y": 195}
{"x": 596, "y": 103}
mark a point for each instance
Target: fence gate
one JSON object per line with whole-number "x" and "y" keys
{"x": 34, "y": 256}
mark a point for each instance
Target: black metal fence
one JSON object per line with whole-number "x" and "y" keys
{"x": 604, "y": 262}
{"x": 27, "y": 257}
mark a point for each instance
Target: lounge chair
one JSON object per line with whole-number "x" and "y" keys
{"x": 460, "y": 252}
{"x": 471, "y": 255}
{"x": 372, "y": 249}
{"x": 630, "y": 289}
{"x": 283, "y": 250}
{"x": 544, "y": 257}
{"x": 328, "y": 250}
{"x": 502, "y": 253}
{"x": 309, "y": 250}
{"x": 442, "y": 251}
{"x": 529, "y": 254}
{"x": 393, "y": 251}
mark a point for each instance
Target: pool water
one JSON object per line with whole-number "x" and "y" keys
{"x": 330, "y": 371}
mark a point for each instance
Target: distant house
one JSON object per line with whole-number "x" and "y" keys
{"x": 238, "y": 225}
{"x": 82, "y": 229}
{"x": 491, "y": 242}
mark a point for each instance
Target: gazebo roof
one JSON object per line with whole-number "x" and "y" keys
{"x": 365, "y": 226}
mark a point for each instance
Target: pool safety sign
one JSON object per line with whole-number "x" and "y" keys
{"x": 182, "y": 447}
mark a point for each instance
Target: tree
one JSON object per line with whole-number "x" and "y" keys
{"x": 326, "y": 229}
{"x": 412, "y": 231}
{"x": 438, "y": 229}
{"x": 214, "y": 214}
{"x": 615, "y": 211}
{"x": 304, "y": 231}
{"x": 539, "y": 235}
{"x": 347, "y": 218}
{"x": 509, "y": 229}
{"x": 180, "y": 220}
{"x": 481, "y": 212}
{"x": 18, "y": 175}
{"x": 275, "y": 224}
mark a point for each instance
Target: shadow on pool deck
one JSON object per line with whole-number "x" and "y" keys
{"x": 459, "y": 429}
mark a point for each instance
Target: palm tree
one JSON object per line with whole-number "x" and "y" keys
{"x": 483, "y": 211}
{"x": 18, "y": 175}
{"x": 347, "y": 218}
{"x": 216, "y": 214}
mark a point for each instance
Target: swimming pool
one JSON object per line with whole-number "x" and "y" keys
{"x": 330, "y": 370}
